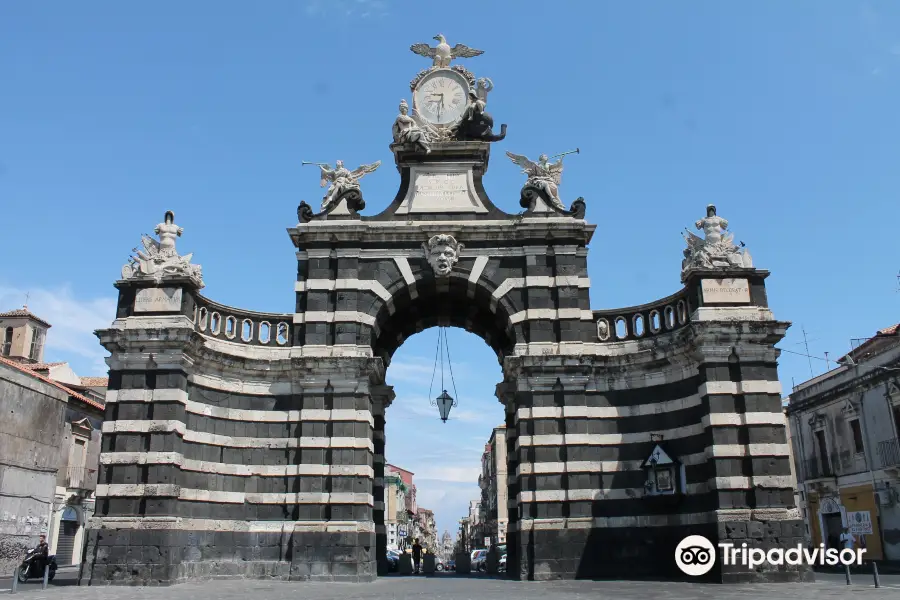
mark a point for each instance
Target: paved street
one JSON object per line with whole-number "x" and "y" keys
{"x": 452, "y": 587}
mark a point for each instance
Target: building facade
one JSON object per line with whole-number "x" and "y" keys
{"x": 495, "y": 487}
{"x": 844, "y": 429}
{"x": 49, "y": 443}
{"x": 233, "y": 436}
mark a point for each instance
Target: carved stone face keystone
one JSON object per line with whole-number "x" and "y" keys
{"x": 442, "y": 252}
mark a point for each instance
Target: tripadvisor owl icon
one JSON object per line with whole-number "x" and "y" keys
{"x": 695, "y": 555}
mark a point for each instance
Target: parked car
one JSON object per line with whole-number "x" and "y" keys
{"x": 501, "y": 566}
{"x": 393, "y": 560}
{"x": 439, "y": 565}
{"x": 478, "y": 560}
{"x": 451, "y": 565}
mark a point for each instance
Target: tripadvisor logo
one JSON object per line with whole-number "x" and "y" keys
{"x": 695, "y": 555}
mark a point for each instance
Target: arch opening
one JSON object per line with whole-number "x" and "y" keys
{"x": 442, "y": 471}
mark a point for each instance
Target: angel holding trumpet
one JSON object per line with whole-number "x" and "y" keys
{"x": 543, "y": 174}
{"x": 341, "y": 180}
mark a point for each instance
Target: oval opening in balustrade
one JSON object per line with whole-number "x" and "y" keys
{"x": 621, "y": 328}
{"x": 682, "y": 313}
{"x": 264, "y": 332}
{"x": 204, "y": 315}
{"x": 215, "y": 322}
{"x": 655, "y": 321}
{"x": 670, "y": 317}
{"x": 230, "y": 324}
{"x": 282, "y": 334}
{"x": 637, "y": 324}
{"x": 246, "y": 330}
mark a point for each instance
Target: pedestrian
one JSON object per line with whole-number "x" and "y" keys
{"x": 417, "y": 554}
{"x": 847, "y": 539}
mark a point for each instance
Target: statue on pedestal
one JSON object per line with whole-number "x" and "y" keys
{"x": 343, "y": 182}
{"x": 476, "y": 124}
{"x": 542, "y": 175}
{"x": 160, "y": 259}
{"x": 443, "y": 53}
{"x": 407, "y": 130}
{"x": 716, "y": 250}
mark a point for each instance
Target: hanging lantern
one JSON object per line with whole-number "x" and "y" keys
{"x": 444, "y": 403}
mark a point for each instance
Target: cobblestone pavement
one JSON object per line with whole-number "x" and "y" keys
{"x": 450, "y": 587}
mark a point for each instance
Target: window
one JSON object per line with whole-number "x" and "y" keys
{"x": 823, "y": 452}
{"x": 857, "y": 436}
{"x": 7, "y": 341}
{"x": 37, "y": 342}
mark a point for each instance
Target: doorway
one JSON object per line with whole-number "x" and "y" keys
{"x": 68, "y": 531}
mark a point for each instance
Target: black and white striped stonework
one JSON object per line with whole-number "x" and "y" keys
{"x": 247, "y": 444}
{"x": 530, "y": 294}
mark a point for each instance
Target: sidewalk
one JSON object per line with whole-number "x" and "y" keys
{"x": 453, "y": 588}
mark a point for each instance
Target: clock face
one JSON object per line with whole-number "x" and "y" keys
{"x": 441, "y": 97}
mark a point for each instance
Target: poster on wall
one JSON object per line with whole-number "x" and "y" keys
{"x": 860, "y": 522}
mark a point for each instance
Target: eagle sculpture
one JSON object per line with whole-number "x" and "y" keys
{"x": 443, "y": 53}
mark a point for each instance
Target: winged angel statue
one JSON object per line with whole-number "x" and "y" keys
{"x": 543, "y": 175}
{"x": 717, "y": 249}
{"x": 160, "y": 258}
{"x": 342, "y": 181}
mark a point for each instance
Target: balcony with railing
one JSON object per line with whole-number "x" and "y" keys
{"x": 889, "y": 453}
{"x": 80, "y": 478}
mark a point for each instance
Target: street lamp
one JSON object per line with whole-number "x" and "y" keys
{"x": 444, "y": 403}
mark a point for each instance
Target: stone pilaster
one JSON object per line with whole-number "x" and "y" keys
{"x": 382, "y": 396}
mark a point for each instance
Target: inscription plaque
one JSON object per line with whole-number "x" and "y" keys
{"x": 726, "y": 291}
{"x": 441, "y": 189}
{"x": 158, "y": 300}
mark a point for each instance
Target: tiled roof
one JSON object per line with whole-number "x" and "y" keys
{"x": 44, "y": 366}
{"x": 55, "y": 384}
{"x": 95, "y": 381}
{"x": 892, "y": 330}
{"x": 24, "y": 312}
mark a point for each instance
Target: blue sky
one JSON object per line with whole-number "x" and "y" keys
{"x": 784, "y": 114}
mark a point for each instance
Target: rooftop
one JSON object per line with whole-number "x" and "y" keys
{"x": 871, "y": 346}
{"x": 69, "y": 391}
{"x": 24, "y": 312}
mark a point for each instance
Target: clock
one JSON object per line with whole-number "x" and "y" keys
{"x": 441, "y": 97}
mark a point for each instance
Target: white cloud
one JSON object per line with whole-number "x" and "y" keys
{"x": 71, "y": 337}
{"x": 347, "y": 8}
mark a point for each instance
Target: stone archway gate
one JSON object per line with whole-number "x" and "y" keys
{"x": 248, "y": 444}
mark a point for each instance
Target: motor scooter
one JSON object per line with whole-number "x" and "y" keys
{"x": 29, "y": 568}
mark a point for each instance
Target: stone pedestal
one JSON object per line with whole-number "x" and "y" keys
{"x": 463, "y": 563}
{"x": 405, "y": 566}
{"x": 492, "y": 561}
{"x": 428, "y": 564}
